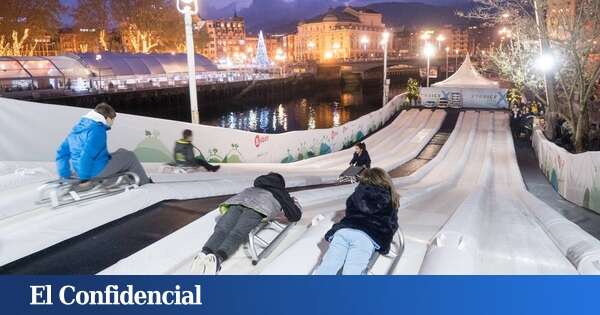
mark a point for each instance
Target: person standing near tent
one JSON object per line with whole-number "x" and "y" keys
{"x": 183, "y": 154}
{"x": 85, "y": 150}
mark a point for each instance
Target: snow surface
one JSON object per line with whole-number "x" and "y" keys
{"x": 401, "y": 141}
{"x": 465, "y": 212}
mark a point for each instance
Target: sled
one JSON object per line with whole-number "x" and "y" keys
{"x": 264, "y": 238}
{"x": 350, "y": 175}
{"x": 62, "y": 192}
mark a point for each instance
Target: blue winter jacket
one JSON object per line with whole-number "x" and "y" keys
{"x": 84, "y": 149}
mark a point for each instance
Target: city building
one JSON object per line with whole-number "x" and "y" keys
{"x": 79, "y": 40}
{"x": 481, "y": 39}
{"x": 455, "y": 38}
{"x": 225, "y": 40}
{"x": 289, "y": 46}
{"x": 341, "y": 33}
{"x": 43, "y": 45}
{"x": 405, "y": 43}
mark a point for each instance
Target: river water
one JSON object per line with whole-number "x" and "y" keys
{"x": 323, "y": 109}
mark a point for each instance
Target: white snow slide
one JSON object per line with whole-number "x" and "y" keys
{"x": 465, "y": 212}
{"x": 401, "y": 141}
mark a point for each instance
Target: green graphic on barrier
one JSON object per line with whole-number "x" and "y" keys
{"x": 152, "y": 150}
{"x": 554, "y": 180}
{"x": 289, "y": 158}
{"x": 214, "y": 157}
{"x": 591, "y": 199}
{"x": 234, "y": 155}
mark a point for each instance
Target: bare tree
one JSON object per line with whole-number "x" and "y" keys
{"x": 149, "y": 25}
{"x": 571, "y": 36}
{"x": 93, "y": 14}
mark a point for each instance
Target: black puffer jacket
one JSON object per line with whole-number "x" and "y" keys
{"x": 361, "y": 160}
{"x": 370, "y": 210}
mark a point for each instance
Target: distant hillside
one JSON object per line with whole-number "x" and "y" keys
{"x": 279, "y": 16}
{"x": 417, "y": 14}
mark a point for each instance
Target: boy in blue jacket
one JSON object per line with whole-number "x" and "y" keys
{"x": 84, "y": 152}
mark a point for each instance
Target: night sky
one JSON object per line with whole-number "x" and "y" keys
{"x": 212, "y": 7}
{"x": 245, "y": 3}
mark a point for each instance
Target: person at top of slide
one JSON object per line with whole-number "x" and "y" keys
{"x": 369, "y": 225}
{"x": 241, "y": 214}
{"x": 183, "y": 154}
{"x": 361, "y": 156}
{"x": 84, "y": 154}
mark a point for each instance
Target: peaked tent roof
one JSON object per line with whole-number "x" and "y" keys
{"x": 467, "y": 77}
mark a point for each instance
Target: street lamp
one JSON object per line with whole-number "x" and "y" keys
{"x": 429, "y": 51}
{"x": 440, "y": 39}
{"x": 364, "y": 41}
{"x": 311, "y": 45}
{"x": 336, "y": 47}
{"x": 545, "y": 63}
{"x": 189, "y": 8}
{"x": 456, "y": 59}
{"x": 280, "y": 56}
{"x": 447, "y": 50}
{"x": 98, "y": 58}
{"x": 385, "y": 38}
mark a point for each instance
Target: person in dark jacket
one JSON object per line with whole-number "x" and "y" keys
{"x": 361, "y": 157}
{"x": 183, "y": 154}
{"x": 242, "y": 213}
{"x": 369, "y": 225}
{"x": 84, "y": 152}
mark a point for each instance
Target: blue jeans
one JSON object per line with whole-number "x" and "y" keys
{"x": 349, "y": 248}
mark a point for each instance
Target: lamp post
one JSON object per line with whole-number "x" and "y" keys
{"x": 385, "y": 38}
{"x": 364, "y": 41}
{"x": 456, "y": 60}
{"x": 280, "y": 56}
{"x": 311, "y": 45}
{"x": 336, "y": 47}
{"x": 189, "y": 8}
{"x": 429, "y": 51}
{"x": 98, "y": 58}
{"x": 447, "y": 50}
{"x": 440, "y": 39}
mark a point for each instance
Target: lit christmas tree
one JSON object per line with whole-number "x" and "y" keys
{"x": 262, "y": 59}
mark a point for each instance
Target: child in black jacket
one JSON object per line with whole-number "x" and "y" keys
{"x": 183, "y": 154}
{"x": 361, "y": 156}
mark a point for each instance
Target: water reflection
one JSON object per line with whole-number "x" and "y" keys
{"x": 324, "y": 109}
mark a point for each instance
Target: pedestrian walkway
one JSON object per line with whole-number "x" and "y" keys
{"x": 539, "y": 186}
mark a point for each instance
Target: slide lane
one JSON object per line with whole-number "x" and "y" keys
{"x": 311, "y": 246}
{"x": 465, "y": 212}
{"x": 57, "y": 225}
{"x": 313, "y": 201}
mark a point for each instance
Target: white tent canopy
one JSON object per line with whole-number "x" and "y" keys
{"x": 465, "y": 88}
{"x": 467, "y": 77}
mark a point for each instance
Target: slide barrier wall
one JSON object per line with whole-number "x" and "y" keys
{"x": 576, "y": 177}
{"x": 33, "y": 131}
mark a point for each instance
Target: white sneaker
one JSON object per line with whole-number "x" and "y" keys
{"x": 199, "y": 264}
{"x": 211, "y": 265}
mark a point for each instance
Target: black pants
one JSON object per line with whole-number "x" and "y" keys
{"x": 232, "y": 231}
{"x": 201, "y": 162}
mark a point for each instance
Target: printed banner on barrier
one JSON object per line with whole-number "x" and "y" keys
{"x": 576, "y": 177}
{"x": 152, "y": 139}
